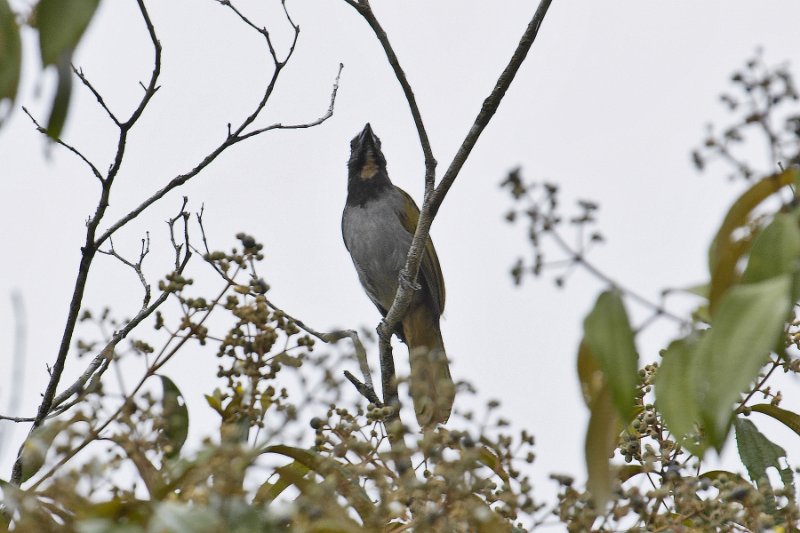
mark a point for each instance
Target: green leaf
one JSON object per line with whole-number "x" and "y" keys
{"x": 491, "y": 460}
{"x": 747, "y": 324}
{"x": 775, "y": 250}
{"x": 726, "y": 249}
{"x": 608, "y": 335}
{"x": 215, "y": 401}
{"x": 758, "y": 454}
{"x": 11, "y": 56}
{"x": 713, "y": 475}
{"x": 626, "y": 472}
{"x": 788, "y": 418}
{"x": 601, "y": 440}
{"x": 676, "y": 394}
{"x": 176, "y": 417}
{"x": 700, "y": 289}
{"x": 35, "y": 447}
{"x": 61, "y": 24}
{"x": 347, "y": 487}
{"x": 288, "y": 475}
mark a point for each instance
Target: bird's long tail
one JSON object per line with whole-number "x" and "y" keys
{"x": 432, "y": 388}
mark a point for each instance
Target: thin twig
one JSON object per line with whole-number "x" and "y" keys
{"x": 79, "y": 73}
{"x": 69, "y": 147}
{"x": 366, "y": 388}
{"x": 365, "y": 10}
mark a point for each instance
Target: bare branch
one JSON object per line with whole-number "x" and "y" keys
{"x": 328, "y": 114}
{"x": 137, "y": 267}
{"x": 69, "y": 147}
{"x": 97, "y": 95}
{"x": 233, "y": 136}
{"x": 263, "y": 31}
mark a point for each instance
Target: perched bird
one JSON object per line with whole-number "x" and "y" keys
{"x": 378, "y": 224}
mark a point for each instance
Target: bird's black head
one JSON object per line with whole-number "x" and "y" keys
{"x": 366, "y": 159}
{"x": 367, "y": 168}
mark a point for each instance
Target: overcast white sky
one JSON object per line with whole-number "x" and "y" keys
{"x": 609, "y": 103}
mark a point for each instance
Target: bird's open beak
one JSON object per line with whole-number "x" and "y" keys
{"x": 365, "y": 134}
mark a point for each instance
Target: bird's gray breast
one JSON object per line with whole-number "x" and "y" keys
{"x": 378, "y": 244}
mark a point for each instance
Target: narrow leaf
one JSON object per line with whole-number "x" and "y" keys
{"x": 60, "y": 105}
{"x": 176, "y": 417}
{"x": 347, "y": 487}
{"x": 748, "y": 322}
{"x": 608, "y": 335}
{"x": 713, "y": 475}
{"x": 601, "y": 439}
{"x": 788, "y": 418}
{"x": 288, "y": 475}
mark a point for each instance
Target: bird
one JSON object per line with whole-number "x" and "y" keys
{"x": 378, "y": 225}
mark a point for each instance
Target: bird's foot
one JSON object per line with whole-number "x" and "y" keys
{"x": 406, "y": 282}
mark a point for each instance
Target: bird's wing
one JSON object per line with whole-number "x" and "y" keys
{"x": 430, "y": 269}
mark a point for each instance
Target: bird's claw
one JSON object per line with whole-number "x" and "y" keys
{"x": 406, "y": 282}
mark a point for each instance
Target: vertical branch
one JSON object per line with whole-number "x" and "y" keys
{"x": 89, "y": 249}
{"x": 434, "y": 195}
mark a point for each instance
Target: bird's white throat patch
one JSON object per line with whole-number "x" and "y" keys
{"x": 369, "y": 169}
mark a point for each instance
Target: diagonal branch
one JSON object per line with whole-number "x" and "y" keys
{"x": 434, "y": 196}
{"x": 431, "y": 204}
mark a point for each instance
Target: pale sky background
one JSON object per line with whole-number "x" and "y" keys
{"x": 609, "y": 103}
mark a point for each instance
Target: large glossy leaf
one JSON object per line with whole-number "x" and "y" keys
{"x": 758, "y": 454}
{"x": 609, "y": 337}
{"x": 176, "y": 417}
{"x": 747, "y": 324}
{"x": 61, "y": 24}
{"x": 10, "y": 57}
{"x": 601, "y": 439}
{"x": 676, "y": 394}
{"x": 726, "y": 250}
{"x": 788, "y": 418}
